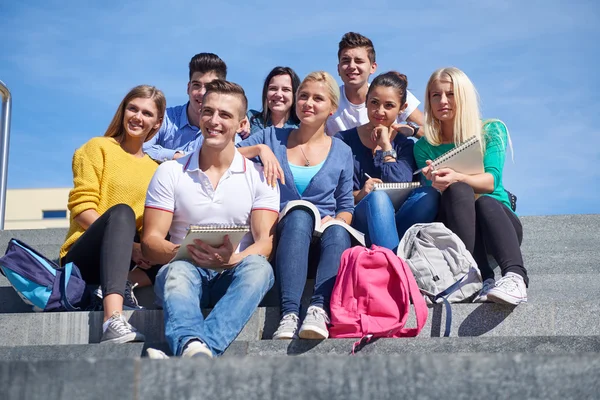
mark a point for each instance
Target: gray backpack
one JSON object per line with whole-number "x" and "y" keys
{"x": 440, "y": 262}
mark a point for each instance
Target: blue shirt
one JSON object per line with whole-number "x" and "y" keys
{"x": 303, "y": 175}
{"x": 258, "y": 124}
{"x": 365, "y": 163}
{"x": 330, "y": 190}
{"x": 175, "y": 134}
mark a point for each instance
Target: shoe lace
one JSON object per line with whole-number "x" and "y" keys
{"x": 508, "y": 283}
{"x": 289, "y": 321}
{"x": 318, "y": 314}
{"x": 129, "y": 296}
{"x": 119, "y": 323}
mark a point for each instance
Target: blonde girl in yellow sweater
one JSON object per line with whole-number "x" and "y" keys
{"x": 110, "y": 177}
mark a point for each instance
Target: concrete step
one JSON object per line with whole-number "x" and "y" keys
{"x": 423, "y": 376}
{"x": 384, "y": 346}
{"x": 541, "y": 319}
{"x": 542, "y": 289}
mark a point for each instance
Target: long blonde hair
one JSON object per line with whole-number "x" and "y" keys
{"x": 116, "y": 129}
{"x": 467, "y": 117}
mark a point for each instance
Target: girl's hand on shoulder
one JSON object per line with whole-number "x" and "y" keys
{"x": 272, "y": 168}
{"x": 444, "y": 177}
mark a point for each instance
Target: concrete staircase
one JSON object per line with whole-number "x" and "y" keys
{"x": 547, "y": 348}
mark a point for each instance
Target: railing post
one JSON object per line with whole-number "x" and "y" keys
{"x": 4, "y": 144}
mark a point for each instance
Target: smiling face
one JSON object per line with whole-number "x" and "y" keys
{"x": 441, "y": 99}
{"x": 313, "y": 105}
{"x": 196, "y": 88}
{"x": 384, "y": 105}
{"x": 280, "y": 95}
{"x": 354, "y": 67}
{"x": 221, "y": 119}
{"x": 140, "y": 118}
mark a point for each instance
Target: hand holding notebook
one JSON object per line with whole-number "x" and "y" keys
{"x": 465, "y": 159}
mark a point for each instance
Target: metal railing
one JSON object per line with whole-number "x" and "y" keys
{"x": 4, "y": 143}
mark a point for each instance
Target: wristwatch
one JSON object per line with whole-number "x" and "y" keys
{"x": 415, "y": 128}
{"x": 391, "y": 153}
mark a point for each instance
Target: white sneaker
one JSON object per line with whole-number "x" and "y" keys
{"x": 156, "y": 354}
{"x": 288, "y": 325}
{"x": 510, "y": 289}
{"x": 196, "y": 348}
{"x": 315, "y": 324}
{"x": 488, "y": 285}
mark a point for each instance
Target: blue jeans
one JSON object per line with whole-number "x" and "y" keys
{"x": 294, "y": 234}
{"x": 184, "y": 288}
{"x": 384, "y": 226}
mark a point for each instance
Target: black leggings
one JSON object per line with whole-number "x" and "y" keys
{"x": 485, "y": 226}
{"x": 103, "y": 252}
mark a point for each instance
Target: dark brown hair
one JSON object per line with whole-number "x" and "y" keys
{"x": 353, "y": 40}
{"x": 266, "y": 112}
{"x": 394, "y": 80}
{"x": 208, "y": 62}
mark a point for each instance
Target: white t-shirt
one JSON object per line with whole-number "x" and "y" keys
{"x": 349, "y": 115}
{"x": 181, "y": 187}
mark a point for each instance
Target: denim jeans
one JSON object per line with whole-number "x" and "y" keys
{"x": 384, "y": 226}
{"x": 292, "y": 259}
{"x": 184, "y": 288}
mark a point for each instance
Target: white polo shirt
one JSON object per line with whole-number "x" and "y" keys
{"x": 182, "y": 188}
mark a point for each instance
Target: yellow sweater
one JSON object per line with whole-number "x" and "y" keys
{"x": 105, "y": 175}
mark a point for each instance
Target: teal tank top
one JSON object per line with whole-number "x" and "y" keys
{"x": 303, "y": 175}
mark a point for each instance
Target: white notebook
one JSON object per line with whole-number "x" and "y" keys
{"x": 465, "y": 158}
{"x": 212, "y": 235}
{"x": 398, "y": 192}
{"x": 319, "y": 229}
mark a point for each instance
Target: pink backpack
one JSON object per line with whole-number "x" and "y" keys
{"x": 372, "y": 295}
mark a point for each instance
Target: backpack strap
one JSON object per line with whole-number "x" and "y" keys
{"x": 66, "y": 276}
{"x": 444, "y": 297}
{"x": 410, "y": 286}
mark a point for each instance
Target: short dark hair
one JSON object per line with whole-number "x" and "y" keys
{"x": 266, "y": 112}
{"x": 394, "y": 80}
{"x": 221, "y": 86}
{"x": 208, "y": 62}
{"x": 353, "y": 40}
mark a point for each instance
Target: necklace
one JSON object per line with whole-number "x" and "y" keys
{"x": 307, "y": 163}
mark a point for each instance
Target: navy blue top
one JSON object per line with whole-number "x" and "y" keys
{"x": 389, "y": 172}
{"x": 330, "y": 190}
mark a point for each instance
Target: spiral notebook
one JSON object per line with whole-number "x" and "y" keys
{"x": 212, "y": 235}
{"x": 398, "y": 192}
{"x": 465, "y": 158}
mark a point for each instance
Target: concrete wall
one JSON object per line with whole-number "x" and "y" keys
{"x": 25, "y": 207}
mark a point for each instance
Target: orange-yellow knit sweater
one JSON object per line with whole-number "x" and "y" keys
{"x": 105, "y": 175}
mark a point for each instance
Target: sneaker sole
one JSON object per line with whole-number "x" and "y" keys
{"x": 130, "y": 337}
{"x": 285, "y": 336}
{"x": 313, "y": 333}
{"x": 513, "y": 301}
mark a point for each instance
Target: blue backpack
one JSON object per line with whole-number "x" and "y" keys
{"x": 40, "y": 282}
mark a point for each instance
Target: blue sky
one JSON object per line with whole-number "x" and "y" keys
{"x": 533, "y": 62}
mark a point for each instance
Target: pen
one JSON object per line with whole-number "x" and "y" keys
{"x": 368, "y": 176}
{"x": 417, "y": 172}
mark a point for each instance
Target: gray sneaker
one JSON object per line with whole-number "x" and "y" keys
{"x": 120, "y": 331}
{"x": 288, "y": 326}
{"x": 315, "y": 324}
{"x": 129, "y": 300}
